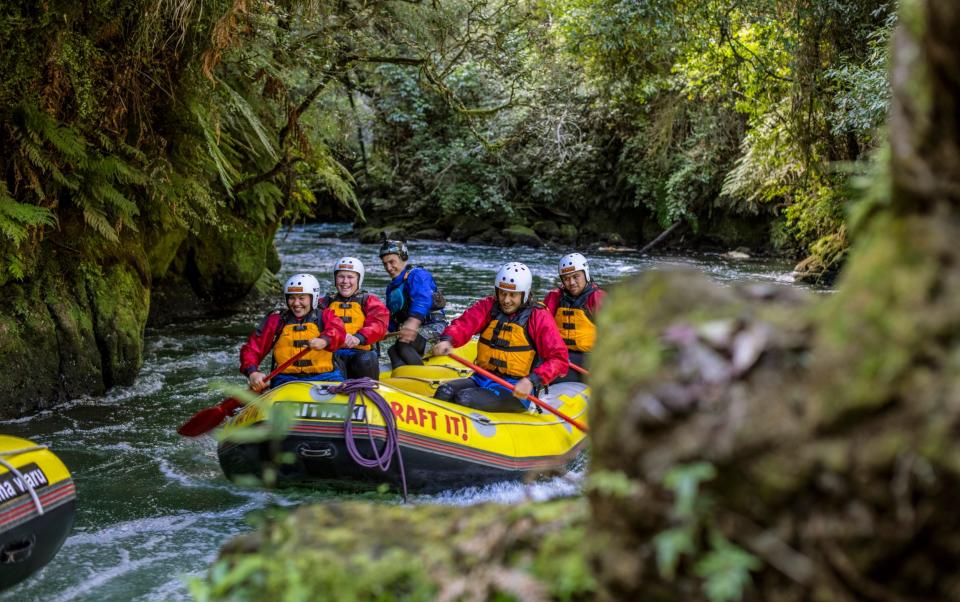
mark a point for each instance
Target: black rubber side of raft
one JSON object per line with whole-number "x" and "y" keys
{"x": 28, "y": 547}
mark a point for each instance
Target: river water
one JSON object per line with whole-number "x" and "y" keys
{"x": 153, "y": 508}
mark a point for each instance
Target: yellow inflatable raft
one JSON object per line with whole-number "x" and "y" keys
{"x": 37, "y": 500}
{"x": 443, "y": 445}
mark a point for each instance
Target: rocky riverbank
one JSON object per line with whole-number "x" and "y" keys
{"x": 74, "y": 326}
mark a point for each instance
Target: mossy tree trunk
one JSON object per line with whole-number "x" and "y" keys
{"x": 828, "y": 428}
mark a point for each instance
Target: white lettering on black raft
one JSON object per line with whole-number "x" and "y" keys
{"x": 12, "y": 486}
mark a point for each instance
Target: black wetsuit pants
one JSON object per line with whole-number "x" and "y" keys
{"x": 360, "y": 364}
{"x": 408, "y": 354}
{"x": 578, "y": 358}
{"x": 465, "y": 392}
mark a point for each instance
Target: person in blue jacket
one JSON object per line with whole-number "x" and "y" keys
{"x": 415, "y": 304}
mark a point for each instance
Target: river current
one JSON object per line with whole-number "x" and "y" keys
{"x": 153, "y": 508}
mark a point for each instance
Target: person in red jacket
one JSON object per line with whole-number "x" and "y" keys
{"x": 519, "y": 342}
{"x": 574, "y": 306}
{"x": 364, "y": 317}
{"x": 288, "y": 331}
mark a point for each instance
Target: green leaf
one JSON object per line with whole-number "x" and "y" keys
{"x": 612, "y": 483}
{"x": 725, "y": 570}
{"x": 670, "y": 545}
{"x": 684, "y": 481}
{"x": 98, "y": 221}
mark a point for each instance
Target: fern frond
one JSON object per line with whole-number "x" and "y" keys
{"x": 32, "y": 150}
{"x": 240, "y": 104}
{"x": 225, "y": 169}
{"x": 337, "y": 180}
{"x": 115, "y": 169}
{"x": 68, "y": 141}
{"x": 15, "y": 267}
{"x": 108, "y": 195}
{"x": 17, "y": 219}
{"x": 766, "y": 168}
{"x": 99, "y": 222}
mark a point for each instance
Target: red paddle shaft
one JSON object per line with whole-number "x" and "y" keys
{"x": 577, "y": 368}
{"x": 506, "y": 384}
{"x": 210, "y": 418}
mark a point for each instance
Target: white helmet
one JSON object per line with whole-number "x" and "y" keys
{"x": 574, "y": 262}
{"x": 303, "y": 284}
{"x": 515, "y": 277}
{"x": 350, "y": 264}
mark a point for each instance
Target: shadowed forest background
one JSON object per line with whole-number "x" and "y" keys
{"x": 743, "y": 119}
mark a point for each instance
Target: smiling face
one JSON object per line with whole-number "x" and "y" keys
{"x": 346, "y": 283}
{"x": 393, "y": 264}
{"x": 299, "y": 305}
{"x": 509, "y": 301}
{"x": 574, "y": 283}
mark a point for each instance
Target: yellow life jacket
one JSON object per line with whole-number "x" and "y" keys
{"x": 294, "y": 336}
{"x": 350, "y": 311}
{"x": 575, "y": 321}
{"x": 505, "y": 347}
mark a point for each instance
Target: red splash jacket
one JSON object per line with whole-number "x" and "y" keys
{"x": 576, "y": 317}
{"x": 551, "y": 350}
{"x": 261, "y": 341}
{"x": 375, "y": 317}
{"x": 594, "y": 300}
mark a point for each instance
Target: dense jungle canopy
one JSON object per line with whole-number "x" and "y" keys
{"x": 725, "y": 115}
{"x": 153, "y": 147}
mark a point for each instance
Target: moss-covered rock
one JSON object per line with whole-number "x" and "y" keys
{"x": 363, "y": 551}
{"x": 522, "y": 235}
{"x": 547, "y": 229}
{"x": 825, "y": 260}
{"x": 799, "y": 414}
{"x": 430, "y": 234}
{"x": 373, "y": 233}
{"x": 462, "y": 227}
{"x": 610, "y": 229}
{"x": 224, "y": 263}
{"x": 161, "y": 246}
{"x": 273, "y": 258}
{"x": 567, "y": 234}
{"x": 29, "y": 349}
{"x": 76, "y": 329}
{"x": 120, "y": 304}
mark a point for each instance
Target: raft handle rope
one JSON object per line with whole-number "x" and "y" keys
{"x": 367, "y": 386}
{"x": 13, "y": 470}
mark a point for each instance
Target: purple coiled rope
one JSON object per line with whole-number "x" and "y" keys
{"x": 367, "y": 386}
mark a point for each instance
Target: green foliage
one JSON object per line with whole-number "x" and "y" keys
{"x": 670, "y": 545}
{"x": 120, "y": 128}
{"x": 16, "y": 222}
{"x": 172, "y": 116}
{"x": 393, "y": 575}
{"x": 724, "y": 567}
{"x": 611, "y": 483}
{"x": 789, "y": 88}
{"x": 684, "y": 481}
{"x": 725, "y": 570}
{"x": 58, "y": 163}
{"x": 862, "y": 87}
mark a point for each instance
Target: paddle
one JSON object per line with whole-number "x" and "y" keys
{"x": 506, "y": 384}
{"x": 577, "y": 368}
{"x": 210, "y": 418}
